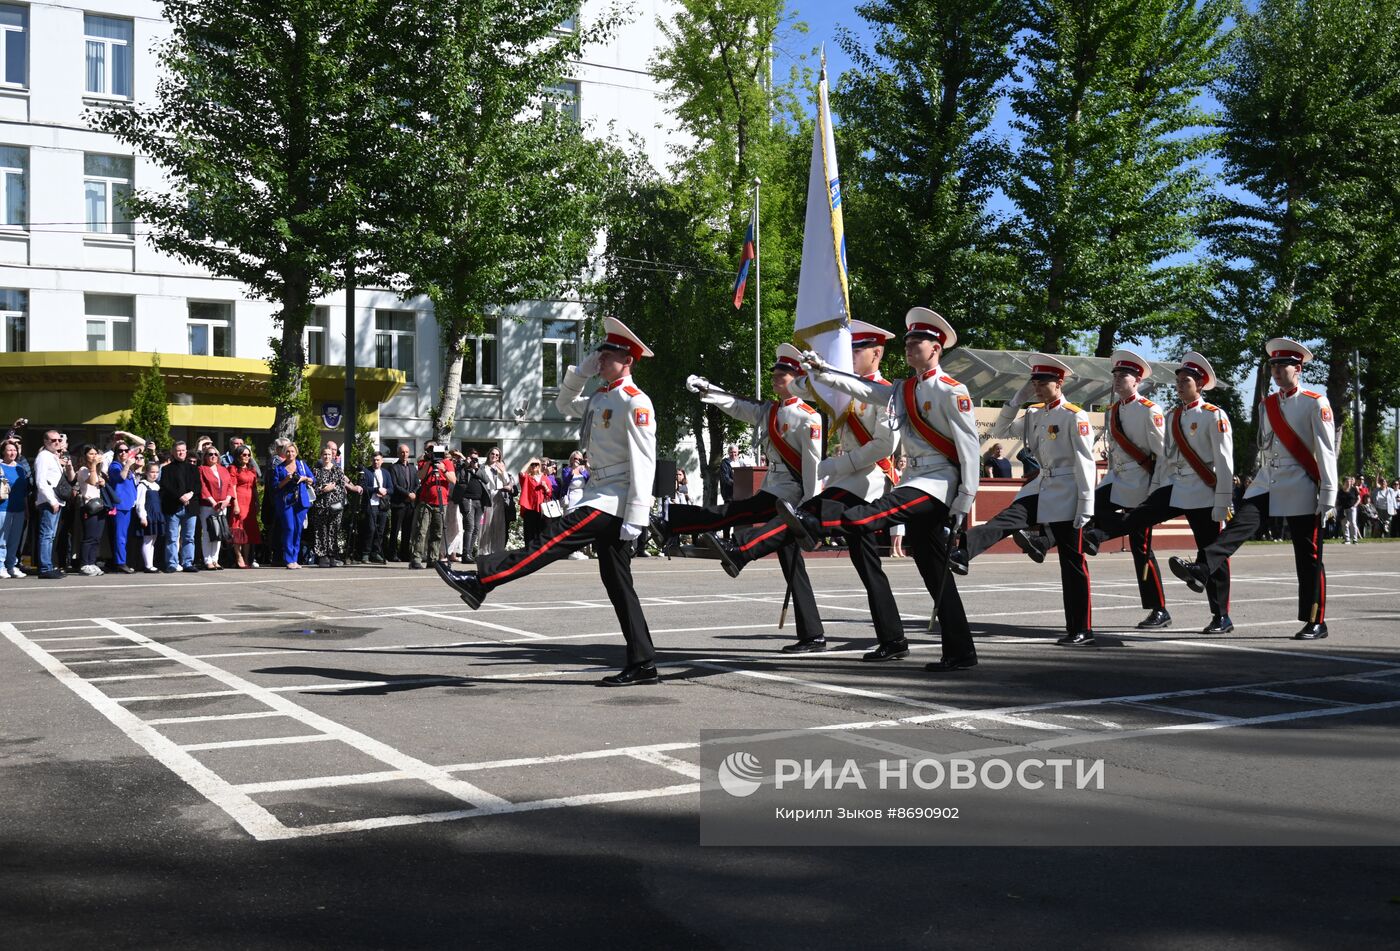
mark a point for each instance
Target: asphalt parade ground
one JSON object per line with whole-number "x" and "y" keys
{"x": 353, "y": 758}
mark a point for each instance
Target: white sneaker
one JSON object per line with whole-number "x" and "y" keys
{"x": 16, "y": 573}
{"x": 90, "y": 571}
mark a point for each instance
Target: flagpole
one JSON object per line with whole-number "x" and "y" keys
{"x": 757, "y": 311}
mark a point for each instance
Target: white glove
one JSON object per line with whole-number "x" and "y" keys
{"x": 813, "y": 360}
{"x": 1221, "y": 513}
{"x": 629, "y": 532}
{"x": 696, "y": 384}
{"x": 1081, "y": 520}
{"x": 956, "y": 520}
{"x": 1326, "y": 511}
{"x": 962, "y": 505}
{"x": 834, "y": 467}
{"x": 589, "y": 367}
{"x": 1023, "y": 395}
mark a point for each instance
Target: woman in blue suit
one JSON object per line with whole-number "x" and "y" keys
{"x": 291, "y": 480}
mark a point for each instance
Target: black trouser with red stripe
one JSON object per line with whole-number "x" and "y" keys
{"x": 1306, "y": 532}
{"x": 761, "y": 507}
{"x": 751, "y": 544}
{"x": 1158, "y": 508}
{"x": 1074, "y": 568}
{"x": 928, "y": 544}
{"x": 1149, "y": 573}
{"x": 573, "y": 532}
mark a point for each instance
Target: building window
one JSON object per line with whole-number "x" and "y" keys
{"x": 558, "y": 349}
{"x": 211, "y": 328}
{"x": 570, "y": 23}
{"x": 14, "y": 310}
{"x": 109, "y": 321}
{"x": 313, "y": 338}
{"x": 14, "y": 51}
{"x": 394, "y": 331}
{"x": 14, "y": 190}
{"x": 108, "y": 55}
{"x": 479, "y": 359}
{"x": 106, "y": 187}
{"x": 563, "y": 98}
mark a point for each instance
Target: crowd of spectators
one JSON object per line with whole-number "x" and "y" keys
{"x": 1367, "y": 507}
{"x": 132, "y": 507}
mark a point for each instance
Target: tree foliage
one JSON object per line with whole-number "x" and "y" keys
{"x": 149, "y": 416}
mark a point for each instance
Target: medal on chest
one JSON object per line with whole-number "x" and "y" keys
{"x": 607, "y": 418}
{"x": 1193, "y": 425}
{"x": 1053, "y": 431}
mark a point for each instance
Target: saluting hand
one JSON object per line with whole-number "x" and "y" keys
{"x": 1024, "y": 394}
{"x": 697, "y": 384}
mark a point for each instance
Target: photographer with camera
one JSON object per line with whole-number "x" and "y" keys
{"x": 436, "y": 477}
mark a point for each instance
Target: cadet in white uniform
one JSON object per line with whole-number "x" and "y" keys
{"x": 1297, "y": 480}
{"x": 1061, "y": 496}
{"x": 619, "y": 432}
{"x": 853, "y": 477}
{"x": 1194, "y": 477}
{"x": 792, "y": 435}
{"x": 935, "y": 494}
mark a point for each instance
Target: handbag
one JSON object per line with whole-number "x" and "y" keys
{"x": 63, "y": 489}
{"x": 510, "y": 510}
{"x": 4, "y": 488}
{"x": 552, "y": 508}
{"x": 94, "y": 507}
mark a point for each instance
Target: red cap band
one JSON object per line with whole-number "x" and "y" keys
{"x": 928, "y": 329}
{"x": 1052, "y": 371}
{"x": 1130, "y": 366}
{"x": 1196, "y": 367}
{"x": 631, "y": 346}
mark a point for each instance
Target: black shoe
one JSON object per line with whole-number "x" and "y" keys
{"x": 169, "y": 570}
{"x": 894, "y": 650}
{"x": 813, "y": 646}
{"x": 1189, "y": 572}
{"x": 464, "y": 583}
{"x": 375, "y": 560}
{"x": 957, "y": 561}
{"x": 1082, "y": 639}
{"x": 632, "y": 675}
{"x": 946, "y": 665}
{"x": 323, "y": 562}
{"x": 661, "y": 531}
{"x": 806, "y": 529}
{"x": 722, "y": 551}
{"x": 1312, "y": 632}
{"x": 416, "y": 565}
{"x": 1029, "y": 545}
{"x": 1091, "y": 541}
{"x": 53, "y": 574}
{"x": 1219, "y": 624}
{"x": 1157, "y": 619}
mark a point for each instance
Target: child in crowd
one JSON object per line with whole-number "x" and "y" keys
{"x": 148, "y": 510}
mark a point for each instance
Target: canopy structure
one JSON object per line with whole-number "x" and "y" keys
{"x": 998, "y": 374}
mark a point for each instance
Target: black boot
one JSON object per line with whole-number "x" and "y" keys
{"x": 722, "y": 551}
{"x": 806, "y": 528}
{"x": 1030, "y": 545}
{"x": 1081, "y": 639}
{"x": 632, "y": 675}
{"x": 894, "y": 650}
{"x": 1157, "y": 619}
{"x": 1219, "y": 624}
{"x": 1315, "y": 631}
{"x": 958, "y": 561}
{"x": 1193, "y": 574}
{"x": 947, "y": 665}
{"x": 1092, "y": 539}
{"x": 464, "y": 583}
{"x": 668, "y": 543}
{"x": 813, "y": 646}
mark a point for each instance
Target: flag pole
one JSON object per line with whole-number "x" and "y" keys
{"x": 757, "y": 310}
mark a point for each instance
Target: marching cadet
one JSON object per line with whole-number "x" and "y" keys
{"x": 1134, "y": 434}
{"x": 1061, "y": 496}
{"x": 619, "y": 432}
{"x": 855, "y": 476}
{"x": 1194, "y": 477}
{"x": 792, "y": 435}
{"x": 1297, "y": 480}
{"x": 939, "y": 432}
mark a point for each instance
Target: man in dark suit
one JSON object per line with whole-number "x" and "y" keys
{"x": 401, "y": 499}
{"x": 376, "y": 487}
{"x": 179, "y": 503}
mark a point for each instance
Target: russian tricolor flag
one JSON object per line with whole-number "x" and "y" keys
{"x": 745, "y": 260}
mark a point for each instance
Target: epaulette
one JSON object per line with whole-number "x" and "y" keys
{"x": 1071, "y": 407}
{"x": 802, "y": 405}
{"x": 950, "y": 381}
{"x": 1316, "y": 396}
{"x": 1036, "y": 406}
{"x": 631, "y": 391}
{"x": 1145, "y": 401}
{"x": 1209, "y": 408}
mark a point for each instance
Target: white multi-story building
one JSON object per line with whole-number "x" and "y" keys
{"x": 85, "y": 300}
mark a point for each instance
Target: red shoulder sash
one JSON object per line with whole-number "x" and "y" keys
{"x": 916, "y": 419}
{"x": 1290, "y": 439}
{"x": 1196, "y": 462}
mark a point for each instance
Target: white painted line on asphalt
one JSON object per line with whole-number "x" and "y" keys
{"x": 352, "y": 738}
{"x": 1173, "y": 711}
{"x": 1220, "y": 645}
{"x": 88, "y": 637}
{"x": 1300, "y": 698}
{"x": 211, "y": 718}
{"x": 120, "y": 677}
{"x": 690, "y": 770}
{"x": 93, "y": 650}
{"x": 568, "y": 757}
{"x": 256, "y": 820}
{"x": 323, "y": 782}
{"x": 471, "y": 620}
{"x": 260, "y": 741}
{"x": 212, "y": 618}
{"x": 293, "y": 688}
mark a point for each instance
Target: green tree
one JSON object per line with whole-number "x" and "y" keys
{"x": 307, "y": 434}
{"x": 921, "y": 163}
{"x": 1312, "y": 151}
{"x": 674, "y": 240}
{"x": 265, "y": 125}
{"x": 149, "y": 416}
{"x": 1106, "y": 182}
{"x": 508, "y": 189}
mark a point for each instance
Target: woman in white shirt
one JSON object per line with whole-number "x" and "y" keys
{"x": 499, "y": 482}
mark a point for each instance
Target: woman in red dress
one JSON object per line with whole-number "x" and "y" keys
{"x": 243, "y": 518}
